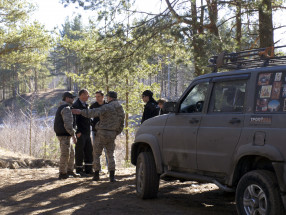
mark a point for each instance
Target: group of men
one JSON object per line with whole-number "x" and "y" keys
{"x": 73, "y": 121}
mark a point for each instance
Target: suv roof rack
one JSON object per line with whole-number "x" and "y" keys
{"x": 261, "y": 57}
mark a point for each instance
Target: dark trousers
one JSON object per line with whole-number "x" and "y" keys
{"x": 83, "y": 153}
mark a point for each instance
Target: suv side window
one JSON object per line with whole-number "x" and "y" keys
{"x": 228, "y": 96}
{"x": 194, "y": 101}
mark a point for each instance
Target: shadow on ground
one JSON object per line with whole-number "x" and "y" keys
{"x": 84, "y": 196}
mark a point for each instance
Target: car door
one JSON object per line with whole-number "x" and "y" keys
{"x": 180, "y": 132}
{"x": 221, "y": 127}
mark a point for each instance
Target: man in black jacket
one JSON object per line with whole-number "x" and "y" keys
{"x": 83, "y": 148}
{"x": 151, "y": 108}
{"x": 63, "y": 126}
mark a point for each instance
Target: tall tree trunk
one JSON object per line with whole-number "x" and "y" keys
{"x": 36, "y": 80}
{"x": 176, "y": 86}
{"x": 68, "y": 78}
{"x": 169, "y": 80}
{"x": 197, "y": 42}
{"x": 30, "y": 84}
{"x": 25, "y": 84}
{"x": 126, "y": 121}
{"x": 162, "y": 80}
{"x": 76, "y": 83}
{"x": 265, "y": 24}
{"x": 3, "y": 85}
{"x": 43, "y": 82}
{"x": 238, "y": 23}
{"x": 15, "y": 82}
{"x": 213, "y": 13}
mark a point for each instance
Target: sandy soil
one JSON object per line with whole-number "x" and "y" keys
{"x": 38, "y": 191}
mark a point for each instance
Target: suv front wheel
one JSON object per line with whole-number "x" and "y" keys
{"x": 258, "y": 193}
{"x": 147, "y": 179}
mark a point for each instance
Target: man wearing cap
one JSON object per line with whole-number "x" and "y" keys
{"x": 151, "y": 108}
{"x": 83, "y": 148}
{"x": 111, "y": 124}
{"x": 63, "y": 126}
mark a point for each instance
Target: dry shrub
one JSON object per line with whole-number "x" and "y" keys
{"x": 34, "y": 136}
{"x": 20, "y": 134}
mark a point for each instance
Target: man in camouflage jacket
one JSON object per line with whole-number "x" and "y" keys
{"x": 63, "y": 126}
{"x": 111, "y": 124}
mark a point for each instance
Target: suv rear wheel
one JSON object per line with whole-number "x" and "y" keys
{"x": 257, "y": 193}
{"x": 147, "y": 179}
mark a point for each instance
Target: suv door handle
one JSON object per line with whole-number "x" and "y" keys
{"x": 193, "y": 121}
{"x": 234, "y": 120}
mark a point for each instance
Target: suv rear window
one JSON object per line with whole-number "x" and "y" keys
{"x": 271, "y": 92}
{"x": 228, "y": 96}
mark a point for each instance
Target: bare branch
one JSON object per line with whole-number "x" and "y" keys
{"x": 176, "y": 15}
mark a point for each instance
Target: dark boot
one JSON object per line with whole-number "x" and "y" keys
{"x": 111, "y": 176}
{"x": 78, "y": 170}
{"x": 96, "y": 176}
{"x": 63, "y": 176}
{"x": 88, "y": 170}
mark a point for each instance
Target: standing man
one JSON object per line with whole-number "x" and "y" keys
{"x": 83, "y": 148}
{"x": 151, "y": 107}
{"x": 111, "y": 124}
{"x": 63, "y": 126}
{"x": 99, "y": 102}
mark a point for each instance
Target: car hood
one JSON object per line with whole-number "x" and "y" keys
{"x": 153, "y": 125}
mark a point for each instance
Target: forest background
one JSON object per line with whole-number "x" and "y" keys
{"x": 121, "y": 49}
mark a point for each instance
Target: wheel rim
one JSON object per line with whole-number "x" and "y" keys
{"x": 140, "y": 175}
{"x": 254, "y": 200}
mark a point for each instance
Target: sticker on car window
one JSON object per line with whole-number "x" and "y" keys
{"x": 271, "y": 92}
{"x": 264, "y": 79}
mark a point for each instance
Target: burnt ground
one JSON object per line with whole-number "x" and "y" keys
{"x": 38, "y": 191}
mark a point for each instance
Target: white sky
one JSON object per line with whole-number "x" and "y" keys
{"x": 52, "y": 13}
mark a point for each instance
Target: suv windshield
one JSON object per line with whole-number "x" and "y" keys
{"x": 195, "y": 99}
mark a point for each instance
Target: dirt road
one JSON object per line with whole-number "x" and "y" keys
{"x": 37, "y": 191}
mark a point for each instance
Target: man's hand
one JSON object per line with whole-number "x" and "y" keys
{"x": 74, "y": 139}
{"x": 78, "y": 135}
{"x": 76, "y": 111}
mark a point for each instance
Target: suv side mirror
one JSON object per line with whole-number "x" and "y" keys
{"x": 169, "y": 107}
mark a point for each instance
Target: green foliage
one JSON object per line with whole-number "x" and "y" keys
{"x": 24, "y": 49}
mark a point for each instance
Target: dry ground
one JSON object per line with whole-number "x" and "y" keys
{"x": 37, "y": 191}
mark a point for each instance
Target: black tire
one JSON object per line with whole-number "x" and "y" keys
{"x": 258, "y": 193}
{"x": 147, "y": 179}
